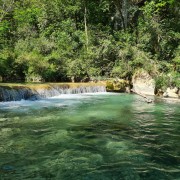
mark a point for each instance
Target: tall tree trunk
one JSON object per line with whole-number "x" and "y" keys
{"x": 119, "y": 18}
{"x": 76, "y": 20}
{"x": 125, "y": 13}
{"x": 85, "y": 24}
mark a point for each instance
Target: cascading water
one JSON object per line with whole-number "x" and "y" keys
{"x": 14, "y": 94}
{"x": 7, "y": 94}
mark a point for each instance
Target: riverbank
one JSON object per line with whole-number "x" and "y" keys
{"x": 35, "y": 91}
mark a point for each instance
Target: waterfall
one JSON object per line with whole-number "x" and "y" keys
{"x": 17, "y": 94}
{"x": 10, "y": 94}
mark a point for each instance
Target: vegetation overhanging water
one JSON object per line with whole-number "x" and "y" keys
{"x": 89, "y": 136}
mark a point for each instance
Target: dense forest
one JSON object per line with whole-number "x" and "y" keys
{"x": 79, "y": 40}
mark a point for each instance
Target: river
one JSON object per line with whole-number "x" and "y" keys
{"x": 101, "y": 136}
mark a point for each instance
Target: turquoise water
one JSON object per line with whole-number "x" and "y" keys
{"x": 90, "y": 137}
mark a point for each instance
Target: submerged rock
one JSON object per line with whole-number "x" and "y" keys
{"x": 143, "y": 83}
{"x": 34, "y": 97}
{"x": 8, "y": 168}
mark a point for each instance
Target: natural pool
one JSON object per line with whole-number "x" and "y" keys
{"x": 90, "y": 137}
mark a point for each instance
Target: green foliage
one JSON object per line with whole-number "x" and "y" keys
{"x": 176, "y": 59}
{"x": 175, "y": 79}
{"x": 131, "y": 58}
{"x": 164, "y": 81}
{"x": 4, "y": 25}
{"x": 47, "y": 39}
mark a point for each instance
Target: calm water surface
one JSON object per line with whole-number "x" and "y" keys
{"x": 90, "y": 137}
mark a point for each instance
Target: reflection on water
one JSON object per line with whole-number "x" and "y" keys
{"x": 89, "y": 136}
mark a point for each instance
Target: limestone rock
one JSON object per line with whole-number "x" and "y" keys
{"x": 171, "y": 92}
{"x": 128, "y": 89}
{"x": 143, "y": 83}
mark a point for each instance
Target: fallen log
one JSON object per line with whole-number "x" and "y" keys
{"x": 142, "y": 95}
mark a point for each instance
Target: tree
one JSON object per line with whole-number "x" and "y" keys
{"x": 60, "y": 40}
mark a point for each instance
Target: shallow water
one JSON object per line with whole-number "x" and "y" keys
{"x": 90, "y": 137}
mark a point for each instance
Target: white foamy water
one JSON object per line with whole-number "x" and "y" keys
{"x": 29, "y": 94}
{"x": 56, "y": 101}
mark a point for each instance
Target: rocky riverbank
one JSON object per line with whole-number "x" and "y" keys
{"x": 142, "y": 83}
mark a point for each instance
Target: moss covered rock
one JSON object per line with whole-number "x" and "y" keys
{"x": 119, "y": 85}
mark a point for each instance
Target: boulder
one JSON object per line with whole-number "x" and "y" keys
{"x": 171, "y": 92}
{"x": 109, "y": 86}
{"x": 128, "y": 89}
{"x": 33, "y": 97}
{"x": 160, "y": 92}
{"x": 119, "y": 85}
{"x": 143, "y": 83}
